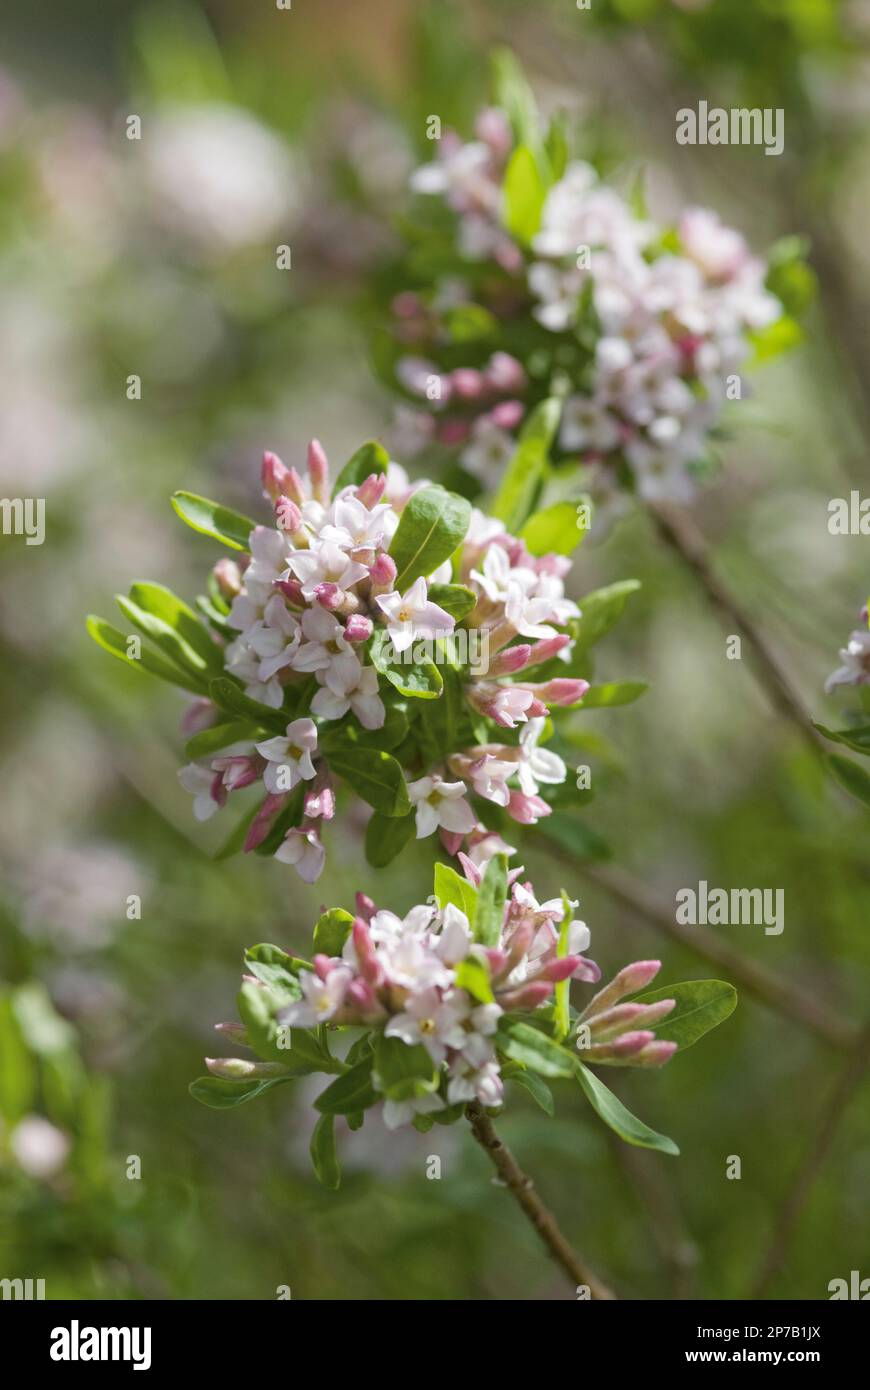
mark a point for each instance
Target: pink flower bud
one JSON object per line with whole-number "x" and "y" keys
{"x": 526, "y": 996}
{"x": 407, "y": 305}
{"x": 371, "y": 490}
{"x": 383, "y": 572}
{"x": 292, "y": 591}
{"x": 365, "y": 908}
{"x": 655, "y": 1054}
{"x": 547, "y": 648}
{"x": 629, "y": 1043}
{"x": 358, "y": 628}
{"x": 361, "y": 997}
{"x": 263, "y": 820}
{"x": 467, "y": 383}
{"x": 369, "y": 965}
{"x": 629, "y": 980}
{"x": 561, "y": 969}
{"x": 492, "y": 126}
{"x": 527, "y": 810}
{"x": 318, "y": 471}
{"x": 288, "y": 516}
{"x": 329, "y": 596}
{"x": 452, "y": 432}
{"x": 451, "y": 840}
{"x": 537, "y": 709}
{"x": 320, "y": 801}
{"x": 509, "y": 660}
{"x": 228, "y": 577}
{"x": 507, "y": 414}
{"x": 505, "y": 374}
{"x": 274, "y": 476}
{"x": 562, "y": 691}
{"x": 200, "y": 714}
{"x": 497, "y": 961}
{"x": 234, "y": 1031}
{"x": 322, "y": 965}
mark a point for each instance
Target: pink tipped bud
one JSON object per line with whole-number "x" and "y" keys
{"x": 537, "y": 709}
{"x": 470, "y": 869}
{"x": 507, "y": 414}
{"x": 322, "y": 965}
{"x": 292, "y": 591}
{"x": 526, "y": 996}
{"x": 199, "y": 715}
{"x": 358, "y": 628}
{"x": 383, "y": 572}
{"x": 629, "y": 980}
{"x": 467, "y": 383}
{"x": 520, "y": 942}
{"x": 274, "y": 476}
{"x": 527, "y": 810}
{"x": 371, "y": 490}
{"x": 237, "y": 1068}
{"x": 318, "y": 471}
{"x": 451, "y": 432}
{"x": 235, "y": 1031}
{"x": 504, "y": 373}
{"x": 451, "y": 840}
{"x": 561, "y": 969}
{"x": 329, "y": 596}
{"x": 361, "y": 997}
{"x": 655, "y": 1054}
{"x": 263, "y": 820}
{"x": 629, "y": 1043}
{"x": 509, "y": 660}
{"x": 288, "y": 515}
{"x": 369, "y": 966}
{"x": 320, "y": 801}
{"x": 365, "y": 907}
{"x": 562, "y": 691}
{"x": 607, "y": 1025}
{"x": 228, "y": 577}
{"x": 497, "y": 961}
{"x": 549, "y": 647}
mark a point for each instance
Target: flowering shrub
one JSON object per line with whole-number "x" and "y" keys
{"x": 380, "y": 634}
{"x": 468, "y": 990}
{"x": 527, "y": 277}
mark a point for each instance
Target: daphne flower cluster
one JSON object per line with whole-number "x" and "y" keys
{"x": 327, "y": 633}
{"x": 446, "y": 988}
{"x": 645, "y": 330}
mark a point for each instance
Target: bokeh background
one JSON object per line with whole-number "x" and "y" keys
{"x": 157, "y": 257}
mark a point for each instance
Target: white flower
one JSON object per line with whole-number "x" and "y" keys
{"x": 537, "y": 764}
{"x": 488, "y": 452}
{"x": 325, "y": 563}
{"x": 440, "y": 803}
{"x": 411, "y": 615}
{"x": 402, "y": 1112}
{"x": 489, "y": 778}
{"x": 276, "y": 639}
{"x": 289, "y": 756}
{"x": 347, "y": 684}
{"x": 434, "y": 1021}
{"x": 468, "y": 1082}
{"x": 356, "y": 527}
{"x": 410, "y": 963}
{"x": 303, "y": 849}
{"x": 454, "y": 940}
{"x": 855, "y": 657}
{"x": 201, "y": 782}
{"x": 39, "y": 1147}
{"x": 325, "y": 639}
{"x": 321, "y": 999}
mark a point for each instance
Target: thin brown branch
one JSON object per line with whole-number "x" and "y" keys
{"x": 798, "y": 1195}
{"x": 768, "y": 988}
{"x": 682, "y": 536}
{"x": 522, "y": 1189}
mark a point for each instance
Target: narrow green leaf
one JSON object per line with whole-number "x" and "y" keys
{"x": 433, "y": 525}
{"x": 451, "y": 887}
{"x": 219, "y": 736}
{"x": 323, "y": 1155}
{"x": 331, "y": 930}
{"x": 523, "y": 1043}
{"x": 491, "y": 897}
{"x": 473, "y": 976}
{"x": 170, "y": 642}
{"x": 524, "y": 192}
{"x": 701, "y": 1005}
{"x": 232, "y": 699}
{"x": 350, "y": 1092}
{"x": 554, "y": 529}
{"x": 386, "y": 837}
{"x": 515, "y": 499}
{"x": 613, "y": 693}
{"x": 536, "y": 1088}
{"x": 375, "y": 776}
{"x": 162, "y": 603}
{"x": 211, "y": 519}
{"x": 456, "y": 599}
{"x": 614, "y": 1114}
{"x": 857, "y": 738}
{"x": 851, "y": 776}
{"x": 115, "y": 642}
{"x": 219, "y": 1094}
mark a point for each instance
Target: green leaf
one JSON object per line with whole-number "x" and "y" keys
{"x": 511, "y": 91}
{"x": 232, "y": 699}
{"x": 473, "y": 976}
{"x": 402, "y": 1071}
{"x": 778, "y": 337}
{"x": 186, "y": 658}
{"x": 219, "y": 736}
{"x": 419, "y": 680}
{"x": 554, "y": 529}
{"x": 289, "y": 816}
{"x": 600, "y": 610}
{"x": 438, "y": 722}
{"x": 275, "y": 968}
{"x": 561, "y": 994}
{"x": 211, "y": 519}
{"x": 369, "y": 458}
{"x": 257, "y": 1010}
{"x": 376, "y": 777}
{"x": 524, "y": 192}
{"x": 613, "y": 693}
{"x": 386, "y": 837}
{"x": 515, "y": 499}
{"x": 851, "y": 776}
{"x": 163, "y": 604}
{"x": 491, "y": 897}
{"x": 701, "y": 1005}
{"x": 534, "y": 1049}
{"x": 331, "y": 930}
{"x": 469, "y": 323}
{"x": 115, "y": 642}
{"x": 451, "y": 887}
{"x": 219, "y": 1094}
{"x": 613, "y": 1113}
{"x": 536, "y": 1088}
{"x": 349, "y": 734}
{"x": 323, "y": 1156}
{"x": 456, "y": 599}
{"x": 788, "y": 275}
{"x": 433, "y": 524}
{"x": 350, "y": 1092}
{"x": 858, "y": 738}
